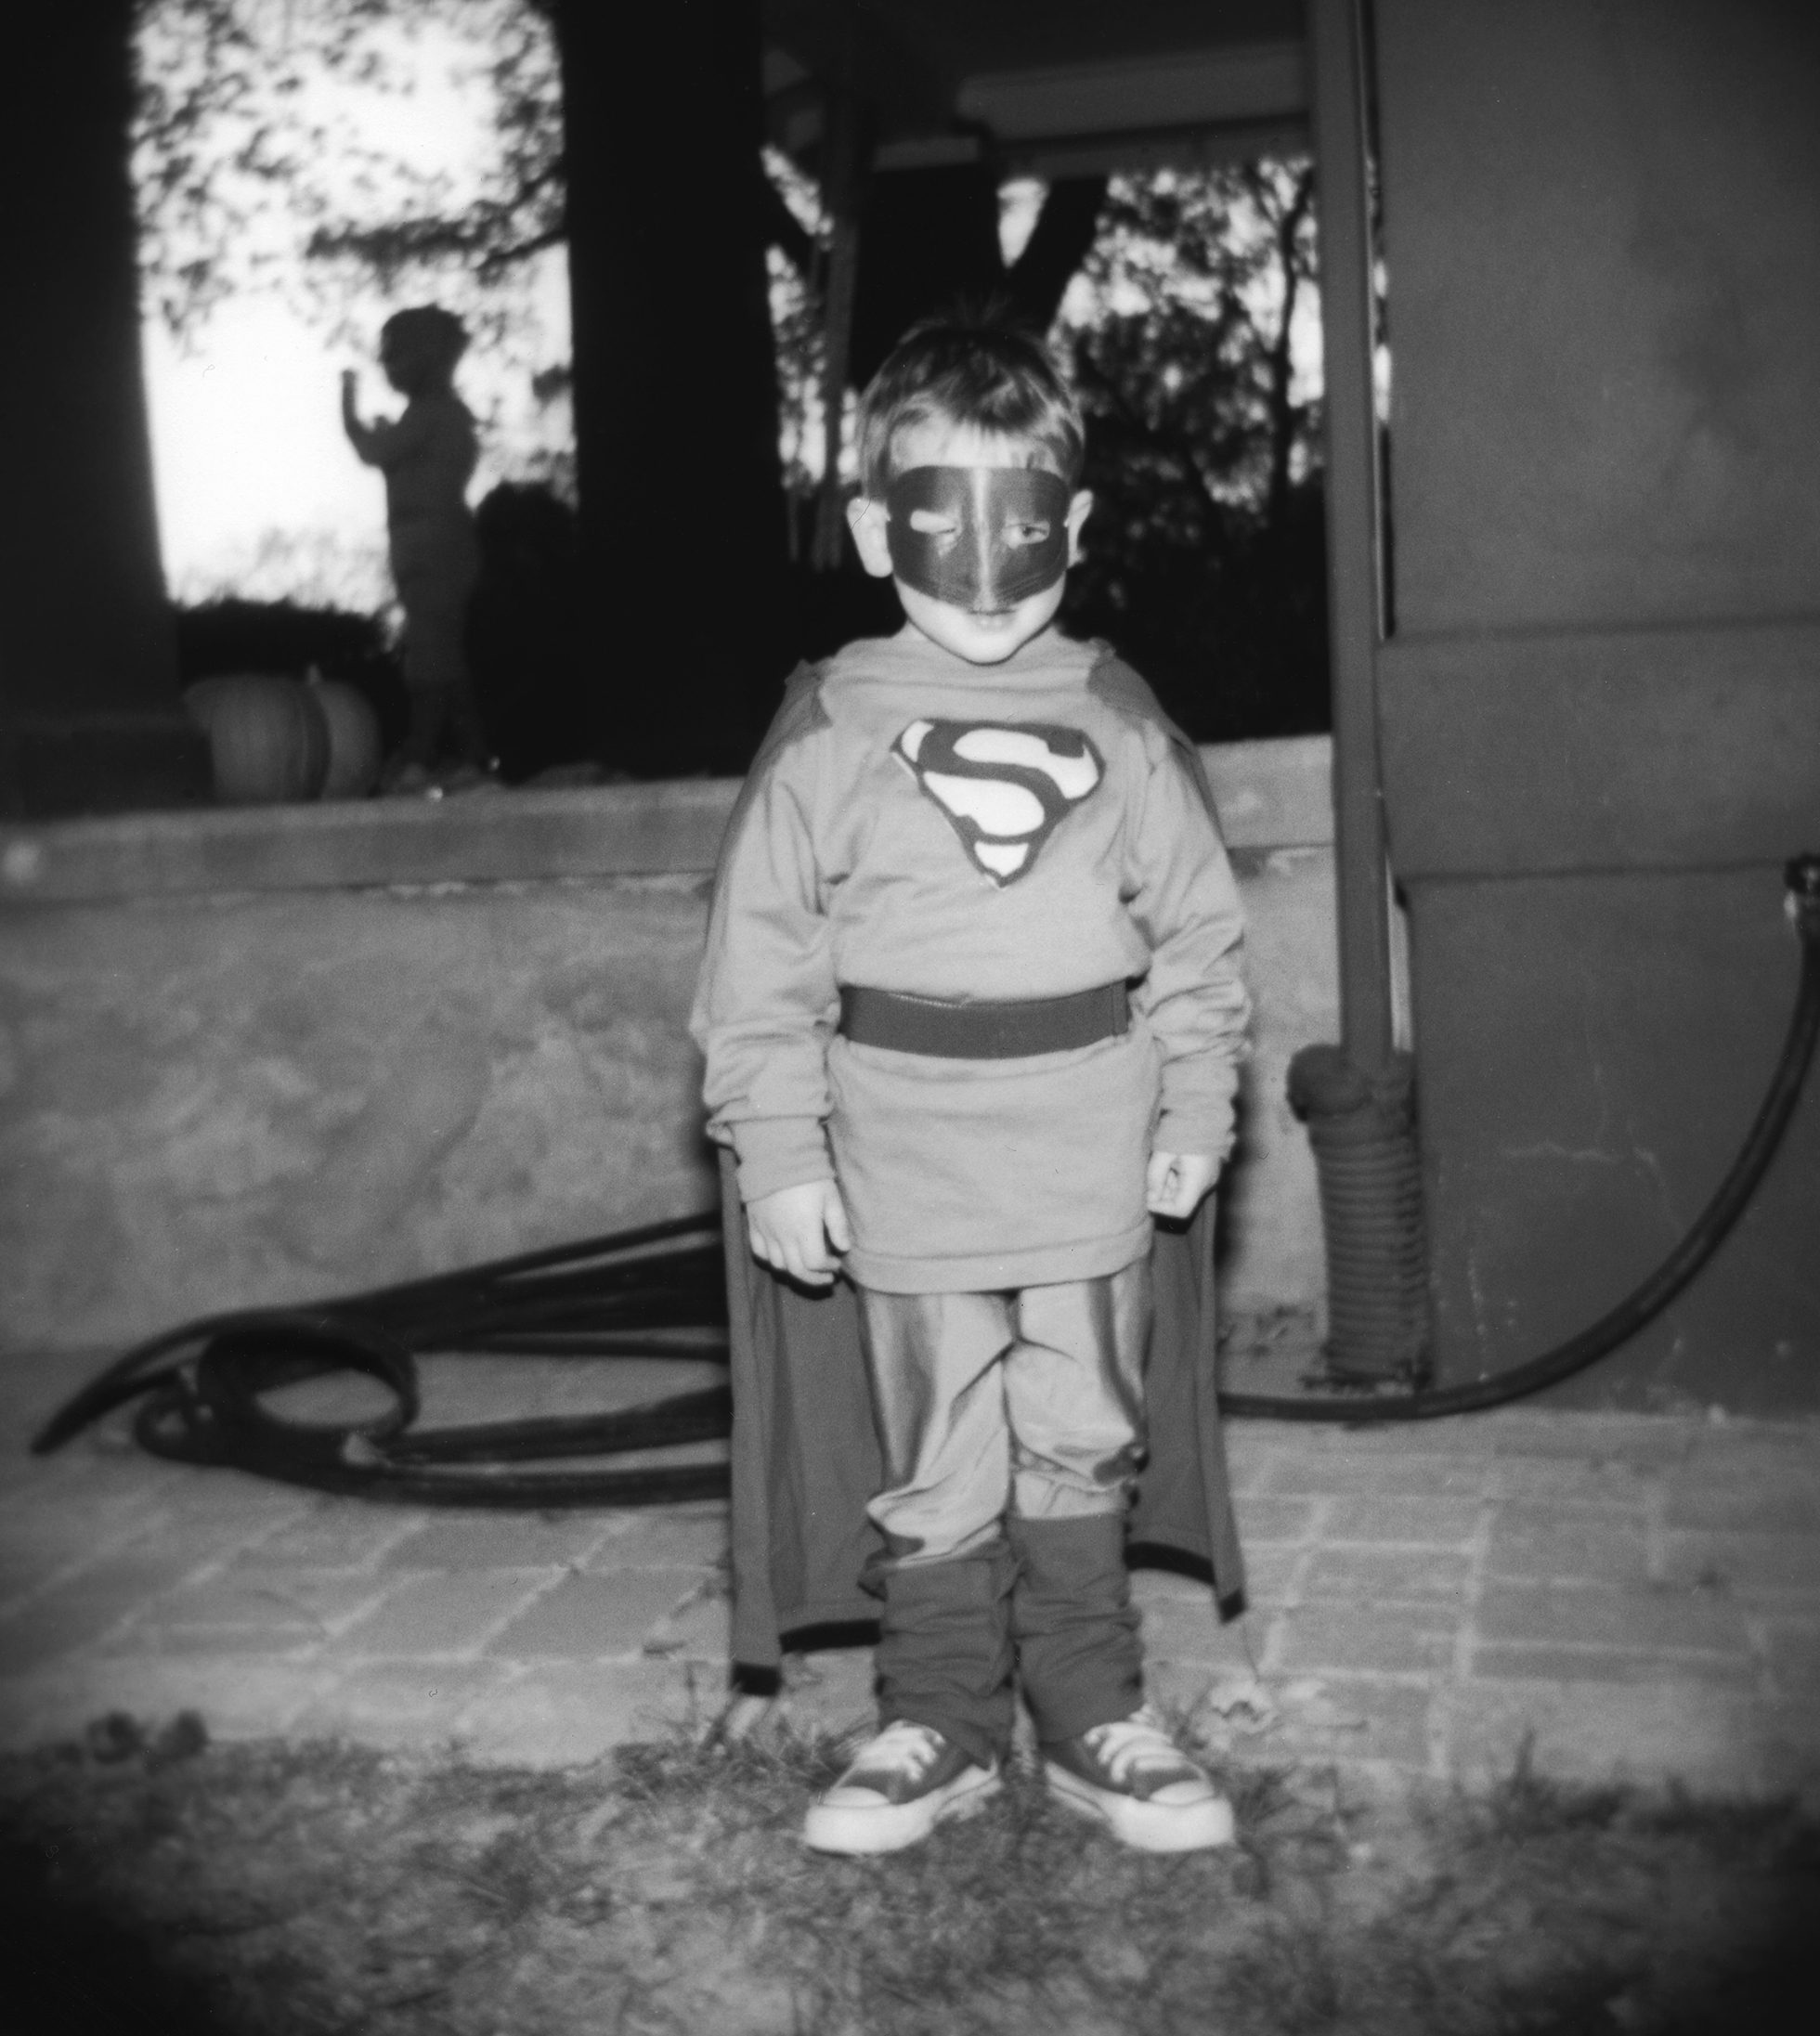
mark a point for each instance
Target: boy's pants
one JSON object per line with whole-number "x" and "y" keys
{"x": 1011, "y": 1427}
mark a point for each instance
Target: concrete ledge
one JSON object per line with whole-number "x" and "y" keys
{"x": 257, "y": 1057}
{"x": 1270, "y": 795}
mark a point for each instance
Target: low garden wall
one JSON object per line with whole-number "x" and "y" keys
{"x": 253, "y": 1057}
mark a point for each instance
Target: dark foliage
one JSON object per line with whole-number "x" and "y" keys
{"x": 232, "y": 635}
{"x": 1207, "y": 551}
{"x": 526, "y": 639}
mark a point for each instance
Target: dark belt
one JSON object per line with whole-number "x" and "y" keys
{"x": 982, "y": 1031}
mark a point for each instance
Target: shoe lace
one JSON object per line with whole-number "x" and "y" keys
{"x": 903, "y": 1747}
{"x": 1131, "y": 1745}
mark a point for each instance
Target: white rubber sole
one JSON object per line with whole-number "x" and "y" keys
{"x": 1146, "y": 1827}
{"x": 858, "y": 1828}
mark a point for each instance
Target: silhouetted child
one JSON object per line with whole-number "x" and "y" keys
{"x": 427, "y": 457}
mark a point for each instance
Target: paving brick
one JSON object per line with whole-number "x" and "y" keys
{"x": 232, "y": 1503}
{"x": 665, "y": 1537}
{"x": 439, "y": 1614}
{"x": 1792, "y": 1655}
{"x": 1748, "y": 1562}
{"x": 1653, "y": 1620}
{"x": 1376, "y": 1574}
{"x": 1753, "y": 1457}
{"x": 1175, "y": 1631}
{"x": 1376, "y": 1475}
{"x": 1582, "y": 1547}
{"x": 348, "y": 1536}
{"x": 1356, "y": 1717}
{"x": 1271, "y": 1572}
{"x": 1771, "y": 1507}
{"x": 308, "y": 1605}
{"x": 1251, "y": 1458}
{"x": 78, "y": 1613}
{"x": 1500, "y": 1662}
{"x": 571, "y": 1714}
{"x": 1641, "y": 1445}
{"x": 1569, "y": 1483}
{"x": 1432, "y": 1523}
{"x": 1408, "y": 1638}
{"x": 400, "y": 1704}
{"x": 699, "y": 1630}
{"x": 499, "y": 1541}
{"x": 39, "y": 1537}
{"x": 1263, "y": 1518}
{"x": 593, "y": 1617}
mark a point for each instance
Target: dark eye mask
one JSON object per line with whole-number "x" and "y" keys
{"x": 984, "y": 562}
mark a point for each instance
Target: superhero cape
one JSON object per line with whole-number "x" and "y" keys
{"x": 805, "y": 1457}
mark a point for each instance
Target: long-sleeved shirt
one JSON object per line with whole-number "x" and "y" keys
{"x": 428, "y": 457}
{"x": 1024, "y": 830}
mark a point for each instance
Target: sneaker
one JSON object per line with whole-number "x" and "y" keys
{"x": 1135, "y": 1779}
{"x": 903, "y": 1783}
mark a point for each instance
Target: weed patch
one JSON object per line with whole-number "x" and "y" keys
{"x": 158, "y": 1883}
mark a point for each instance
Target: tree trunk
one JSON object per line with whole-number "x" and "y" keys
{"x": 928, "y": 239}
{"x": 90, "y": 715}
{"x": 676, "y": 393}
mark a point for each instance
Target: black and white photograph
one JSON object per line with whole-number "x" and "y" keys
{"x": 909, "y": 984}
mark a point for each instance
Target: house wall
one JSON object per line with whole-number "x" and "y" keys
{"x": 250, "y": 1058}
{"x": 1600, "y": 705}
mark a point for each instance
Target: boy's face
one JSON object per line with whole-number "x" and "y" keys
{"x": 949, "y": 511}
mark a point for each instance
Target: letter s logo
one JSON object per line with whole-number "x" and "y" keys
{"x": 1004, "y": 786}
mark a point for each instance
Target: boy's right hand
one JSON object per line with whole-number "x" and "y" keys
{"x": 801, "y": 1231}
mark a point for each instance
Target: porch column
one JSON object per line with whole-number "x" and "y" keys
{"x": 90, "y": 719}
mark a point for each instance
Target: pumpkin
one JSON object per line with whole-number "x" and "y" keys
{"x": 353, "y": 743}
{"x": 269, "y": 742}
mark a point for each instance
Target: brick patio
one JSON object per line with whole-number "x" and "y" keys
{"x": 1632, "y": 1595}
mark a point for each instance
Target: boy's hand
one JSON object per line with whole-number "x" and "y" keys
{"x": 1175, "y": 1182}
{"x": 801, "y": 1231}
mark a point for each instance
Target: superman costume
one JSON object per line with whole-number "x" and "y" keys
{"x": 968, "y": 839}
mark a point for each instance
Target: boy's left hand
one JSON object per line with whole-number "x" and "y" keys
{"x": 1175, "y": 1182}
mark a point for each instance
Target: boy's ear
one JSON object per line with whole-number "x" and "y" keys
{"x": 867, "y": 521}
{"x": 1079, "y": 510}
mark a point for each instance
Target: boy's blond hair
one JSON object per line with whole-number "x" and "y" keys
{"x": 975, "y": 369}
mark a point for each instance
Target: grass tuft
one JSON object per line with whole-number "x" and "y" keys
{"x": 276, "y": 1889}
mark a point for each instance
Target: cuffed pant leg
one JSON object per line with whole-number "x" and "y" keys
{"x": 1074, "y": 1398}
{"x": 944, "y": 1656}
{"x": 1079, "y": 1655}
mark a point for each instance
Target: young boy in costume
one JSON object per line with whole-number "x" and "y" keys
{"x": 972, "y": 1016}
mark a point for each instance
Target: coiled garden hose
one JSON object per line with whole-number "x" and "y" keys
{"x": 655, "y": 1291}
{"x": 659, "y": 1291}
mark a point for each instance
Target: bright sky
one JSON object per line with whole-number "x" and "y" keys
{"x": 247, "y": 449}
{"x": 258, "y": 491}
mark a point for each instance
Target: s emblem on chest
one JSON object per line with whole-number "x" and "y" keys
{"x": 1003, "y": 786}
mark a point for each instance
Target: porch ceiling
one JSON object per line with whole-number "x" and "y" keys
{"x": 1071, "y": 85}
